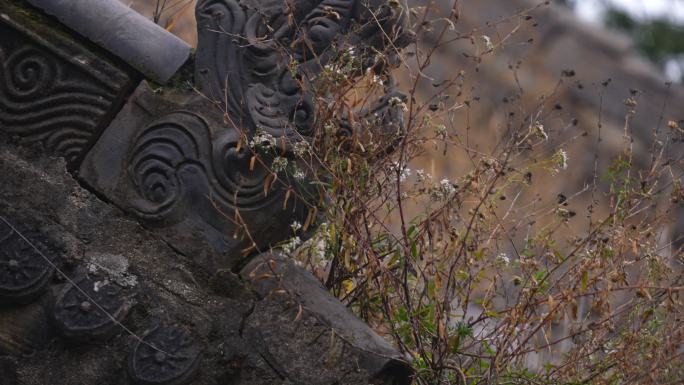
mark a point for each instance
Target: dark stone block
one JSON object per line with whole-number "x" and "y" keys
{"x": 90, "y": 309}
{"x": 186, "y": 163}
{"x": 55, "y": 91}
{"x": 297, "y": 314}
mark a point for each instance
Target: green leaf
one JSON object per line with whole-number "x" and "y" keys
{"x": 585, "y": 280}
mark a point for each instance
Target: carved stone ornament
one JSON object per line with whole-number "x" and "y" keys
{"x": 193, "y": 165}
{"x": 91, "y": 309}
{"x": 55, "y": 92}
{"x": 254, "y": 57}
{"x": 24, "y": 272}
{"x": 167, "y": 355}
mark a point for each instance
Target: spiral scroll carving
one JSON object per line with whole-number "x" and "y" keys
{"x": 177, "y": 158}
{"x": 46, "y": 99}
{"x": 246, "y": 56}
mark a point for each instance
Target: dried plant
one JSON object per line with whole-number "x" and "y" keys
{"x": 473, "y": 275}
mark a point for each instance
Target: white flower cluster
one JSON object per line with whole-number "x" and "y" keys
{"x": 423, "y": 176}
{"x": 263, "y": 140}
{"x": 350, "y": 53}
{"x": 503, "y": 259}
{"x": 404, "y": 172}
{"x": 298, "y": 173}
{"x": 279, "y": 164}
{"x": 302, "y": 148}
{"x": 330, "y": 128}
{"x": 561, "y": 158}
{"x": 395, "y": 101}
{"x": 538, "y": 130}
{"x": 440, "y": 130}
{"x": 334, "y": 70}
{"x": 291, "y": 245}
{"x": 443, "y": 190}
{"x": 447, "y": 186}
{"x": 488, "y": 42}
{"x": 375, "y": 79}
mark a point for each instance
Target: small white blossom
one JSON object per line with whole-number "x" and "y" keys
{"x": 395, "y": 101}
{"x": 487, "y": 42}
{"x": 302, "y": 148}
{"x": 422, "y": 176}
{"x": 404, "y": 172}
{"x": 538, "y": 129}
{"x": 561, "y": 159}
{"x": 295, "y": 226}
{"x": 263, "y": 140}
{"x": 447, "y": 186}
{"x": 503, "y": 259}
{"x": 443, "y": 190}
{"x": 330, "y": 128}
{"x": 292, "y": 244}
{"x": 350, "y": 52}
{"x": 298, "y": 173}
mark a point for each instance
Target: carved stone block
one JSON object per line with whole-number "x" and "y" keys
{"x": 172, "y": 163}
{"x": 56, "y": 90}
{"x": 185, "y": 163}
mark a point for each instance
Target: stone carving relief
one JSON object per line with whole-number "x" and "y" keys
{"x": 92, "y": 308}
{"x": 53, "y": 90}
{"x": 189, "y": 171}
{"x": 24, "y": 273}
{"x": 254, "y": 58}
{"x": 165, "y": 355}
